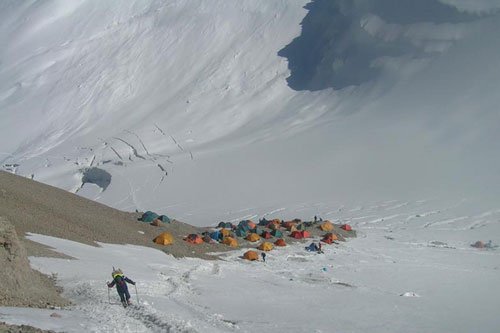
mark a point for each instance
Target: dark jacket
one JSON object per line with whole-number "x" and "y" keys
{"x": 121, "y": 283}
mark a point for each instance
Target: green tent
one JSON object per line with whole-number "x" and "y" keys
{"x": 149, "y": 216}
{"x": 301, "y": 226}
{"x": 241, "y": 232}
{"x": 164, "y": 218}
{"x": 276, "y": 233}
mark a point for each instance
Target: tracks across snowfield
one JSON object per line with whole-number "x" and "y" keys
{"x": 402, "y": 249}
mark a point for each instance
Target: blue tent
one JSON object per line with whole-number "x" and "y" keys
{"x": 312, "y": 247}
{"x": 216, "y": 235}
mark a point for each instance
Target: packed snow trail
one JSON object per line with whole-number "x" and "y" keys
{"x": 423, "y": 274}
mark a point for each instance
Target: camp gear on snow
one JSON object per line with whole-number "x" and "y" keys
{"x": 164, "y": 238}
{"x": 251, "y": 255}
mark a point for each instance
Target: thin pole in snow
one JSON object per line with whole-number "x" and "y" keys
{"x": 136, "y": 294}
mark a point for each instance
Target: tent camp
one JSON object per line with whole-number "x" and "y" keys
{"x": 164, "y": 238}
{"x": 251, "y": 255}
{"x": 194, "y": 239}
{"x": 230, "y": 242}
{"x": 326, "y": 226}
{"x": 280, "y": 242}
{"x": 265, "y": 246}
{"x": 253, "y": 237}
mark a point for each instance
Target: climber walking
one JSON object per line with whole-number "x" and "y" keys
{"x": 120, "y": 280}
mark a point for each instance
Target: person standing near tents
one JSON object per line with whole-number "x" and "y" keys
{"x": 263, "y": 254}
{"x": 120, "y": 280}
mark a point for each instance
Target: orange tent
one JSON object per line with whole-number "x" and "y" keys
{"x": 326, "y": 226}
{"x": 329, "y": 238}
{"x": 194, "y": 239}
{"x": 305, "y": 233}
{"x": 266, "y": 246}
{"x": 251, "y": 255}
{"x": 280, "y": 242}
{"x": 251, "y": 224}
{"x": 230, "y": 242}
{"x": 296, "y": 234}
{"x": 253, "y": 237}
{"x": 164, "y": 238}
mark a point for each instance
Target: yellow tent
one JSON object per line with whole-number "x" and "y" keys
{"x": 266, "y": 246}
{"x": 164, "y": 238}
{"x": 230, "y": 241}
{"x": 253, "y": 237}
{"x": 225, "y": 232}
{"x": 326, "y": 226}
{"x": 251, "y": 255}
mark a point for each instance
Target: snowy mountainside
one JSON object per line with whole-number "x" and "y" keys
{"x": 184, "y": 106}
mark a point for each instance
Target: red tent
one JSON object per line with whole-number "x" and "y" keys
{"x": 266, "y": 234}
{"x": 297, "y": 234}
{"x": 346, "y": 227}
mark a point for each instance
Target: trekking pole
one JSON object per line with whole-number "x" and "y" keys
{"x": 136, "y": 294}
{"x": 109, "y": 298}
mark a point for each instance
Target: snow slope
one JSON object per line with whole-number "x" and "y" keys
{"x": 184, "y": 106}
{"x": 410, "y": 270}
